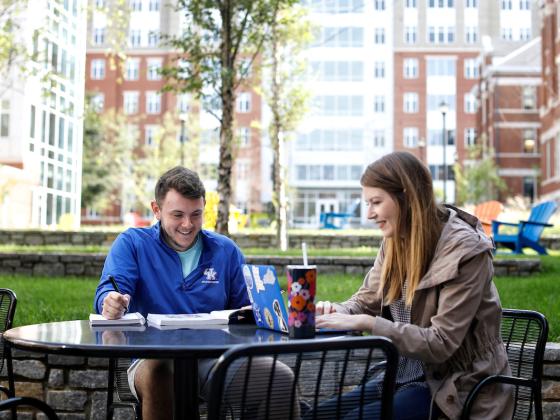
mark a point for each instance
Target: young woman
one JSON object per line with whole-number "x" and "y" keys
{"x": 431, "y": 292}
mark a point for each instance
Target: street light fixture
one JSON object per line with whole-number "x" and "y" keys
{"x": 183, "y": 118}
{"x": 444, "y": 109}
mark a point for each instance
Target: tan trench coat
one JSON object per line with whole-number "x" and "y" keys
{"x": 455, "y": 320}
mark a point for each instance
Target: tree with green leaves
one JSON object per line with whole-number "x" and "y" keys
{"x": 107, "y": 152}
{"x": 478, "y": 179}
{"x": 220, "y": 41}
{"x": 166, "y": 151}
{"x": 287, "y": 99}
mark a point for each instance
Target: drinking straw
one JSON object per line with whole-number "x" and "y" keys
{"x": 304, "y": 251}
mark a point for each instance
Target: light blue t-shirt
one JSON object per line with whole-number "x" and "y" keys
{"x": 190, "y": 257}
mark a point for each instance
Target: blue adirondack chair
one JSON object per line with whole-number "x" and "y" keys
{"x": 528, "y": 231}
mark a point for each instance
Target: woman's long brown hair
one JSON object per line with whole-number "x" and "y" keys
{"x": 409, "y": 252}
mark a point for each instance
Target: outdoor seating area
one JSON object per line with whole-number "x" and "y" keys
{"x": 284, "y": 378}
{"x": 529, "y": 231}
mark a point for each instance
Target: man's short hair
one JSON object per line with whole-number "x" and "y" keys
{"x": 183, "y": 180}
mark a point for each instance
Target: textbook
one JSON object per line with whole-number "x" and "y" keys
{"x": 199, "y": 320}
{"x": 133, "y": 318}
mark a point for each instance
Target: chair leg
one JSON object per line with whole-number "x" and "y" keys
{"x": 110, "y": 388}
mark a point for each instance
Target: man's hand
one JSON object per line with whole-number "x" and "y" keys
{"x": 115, "y": 305}
{"x": 339, "y": 321}
{"x": 324, "y": 307}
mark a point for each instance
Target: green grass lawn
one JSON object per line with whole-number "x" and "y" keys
{"x": 54, "y": 299}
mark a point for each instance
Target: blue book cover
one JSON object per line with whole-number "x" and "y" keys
{"x": 266, "y": 297}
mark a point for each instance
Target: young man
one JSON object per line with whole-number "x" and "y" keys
{"x": 172, "y": 267}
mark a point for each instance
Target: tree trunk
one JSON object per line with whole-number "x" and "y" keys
{"x": 226, "y": 126}
{"x": 279, "y": 187}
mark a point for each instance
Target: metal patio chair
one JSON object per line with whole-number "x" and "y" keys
{"x": 8, "y": 303}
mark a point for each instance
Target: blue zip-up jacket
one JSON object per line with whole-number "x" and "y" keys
{"x": 147, "y": 269}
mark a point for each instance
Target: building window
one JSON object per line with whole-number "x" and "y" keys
{"x": 154, "y": 5}
{"x": 135, "y": 5}
{"x": 379, "y": 138}
{"x": 379, "y": 70}
{"x": 410, "y": 102}
{"x": 343, "y": 71}
{"x": 410, "y": 137}
{"x": 379, "y": 104}
{"x": 98, "y": 36}
{"x": 529, "y": 97}
{"x": 410, "y": 4}
{"x": 244, "y": 102}
{"x": 410, "y": 34}
{"x": 524, "y": 34}
{"x": 98, "y": 102}
{"x": 471, "y": 34}
{"x": 153, "y": 102}
{"x": 130, "y": 102}
{"x": 524, "y": 4}
{"x": 150, "y": 134}
{"x": 410, "y": 68}
{"x": 342, "y": 37}
{"x": 5, "y": 118}
{"x": 153, "y": 38}
{"x": 154, "y": 68}
{"x": 441, "y": 66}
{"x": 379, "y": 35}
{"x": 97, "y": 69}
{"x": 135, "y": 37}
{"x": 132, "y": 69}
{"x": 506, "y": 4}
{"x": 471, "y": 4}
{"x": 440, "y": 4}
{"x": 529, "y": 141}
{"x": 379, "y": 4}
{"x": 183, "y": 102}
{"x": 243, "y": 167}
{"x": 471, "y": 68}
{"x": 470, "y": 103}
{"x": 507, "y": 34}
{"x": 244, "y": 134}
{"x": 470, "y": 137}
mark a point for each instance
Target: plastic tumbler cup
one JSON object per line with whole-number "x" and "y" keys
{"x": 302, "y": 280}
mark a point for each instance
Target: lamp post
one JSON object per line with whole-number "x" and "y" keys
{"x": 444, "y": 108}
{"x": 183, "y": 117}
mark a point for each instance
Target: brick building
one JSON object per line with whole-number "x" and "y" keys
{"x": 549, "y": 101}
{"x": 508, "y": 116}
{"x": 133, "y": 87}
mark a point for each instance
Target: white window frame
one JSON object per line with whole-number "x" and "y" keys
{"x": 183, "y": 100}
{"x": 134, "y": 37}
{"x": 150, "y": 131}
{"x": 153, "y": 102}
{"x": 470, "y": 68}
{"x": 244, "y": 134}
{"x": 379, "y": 104}
{"x": 132, "y": 69}
{"x": 410, "y": 137}
{"x": 379, "y": 70}
{"x": 131, "y": 102}
{"x": 410, "y": 68}
{"x": 97, "y": 69}
{"x": 470, "y": 103}
{"x": 410, "y": 102}
{"x": 243, "y": 102}
{"x": 379, "y": 37}
{"x": 153, "y": 67}
{"x": 97, "y": 101}
{"x": 470, "y": 136}
{"x": 98, "y": 36}
{"x": 410, "y": 34}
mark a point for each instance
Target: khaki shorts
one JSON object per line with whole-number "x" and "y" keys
{"x": 204, "y": 368}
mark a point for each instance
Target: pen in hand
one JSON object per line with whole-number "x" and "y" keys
{"x": 116, "y": 287}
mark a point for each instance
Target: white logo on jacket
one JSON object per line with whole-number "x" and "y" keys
{"x": 210, "y": 274}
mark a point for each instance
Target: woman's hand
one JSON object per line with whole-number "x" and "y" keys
{"x": 340, "y": 321}
{"x": 324, "y": 307}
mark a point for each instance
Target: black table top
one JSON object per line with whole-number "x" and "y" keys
{"x": 80, "y": 339}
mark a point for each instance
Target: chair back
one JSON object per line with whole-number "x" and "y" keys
{"x": 486, "y": 212}
{"x": 118, "y": 387}
{"x": 524, "y": 334}
{"x": 8, "y": 303}
{"x": 309, "y": 379}
{"x": 540, "y": 213}
{"x": 27, "y": 402}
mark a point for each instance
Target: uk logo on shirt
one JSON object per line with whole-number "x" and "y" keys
{"x": 210, "y": 275}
